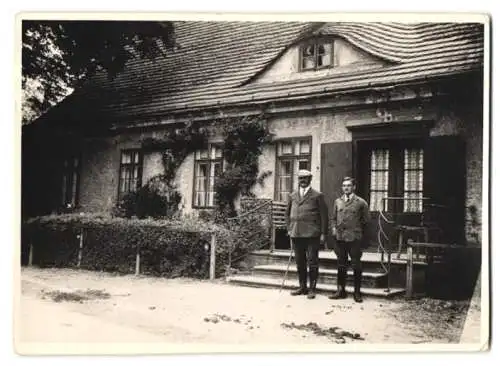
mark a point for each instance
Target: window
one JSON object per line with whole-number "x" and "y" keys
{"x": 70, "y": 181}
{"x": 130, "y": 172}
{"x": 207, "y": 167}
{"x": 292, "y": 155}
{"x": 396, "y": 171}
{"x": 413, "y": 180}
{"x": 379, "y": 178}
{"x": 316, "y": 55}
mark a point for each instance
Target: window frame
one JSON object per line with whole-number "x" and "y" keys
{"x": 73, "y": 172}
{"x": 316, "y": 43}
{"x": 140, "y": 165}
{"x": 293, "y": 157}
{"x": 396, "y": 176}
{"x": 210, "y": 161}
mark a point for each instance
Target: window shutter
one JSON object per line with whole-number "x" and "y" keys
{"x": 336, "y": 163}
{"x": 444, "y": 182}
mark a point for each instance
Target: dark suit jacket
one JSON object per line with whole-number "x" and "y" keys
{"x": 350, "y": 218}
{"x": 307, "y": 217}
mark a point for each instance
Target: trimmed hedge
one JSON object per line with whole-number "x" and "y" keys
{"x": 169, "y": 248}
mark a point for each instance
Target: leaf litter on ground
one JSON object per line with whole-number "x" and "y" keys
{"x": 216, "y": 318}
{"x": 76, "y": 296}
{"x": 333, "y": 333}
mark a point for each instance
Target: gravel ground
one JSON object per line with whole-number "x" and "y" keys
{"x": 62, "y": 305}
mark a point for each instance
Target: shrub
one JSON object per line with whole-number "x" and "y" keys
{"x": 170, "y": 248}
{"x": 155, "y": 199}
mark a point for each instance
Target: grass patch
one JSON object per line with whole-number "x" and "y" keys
{"x": 437, "y": 319}
{"x": 76, "y": 296}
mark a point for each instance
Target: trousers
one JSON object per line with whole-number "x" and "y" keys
{"x": 349, "y": 249}
{"x": 306, "y": 252}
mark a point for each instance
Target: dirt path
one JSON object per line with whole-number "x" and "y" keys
{"x": 80, "y": 306}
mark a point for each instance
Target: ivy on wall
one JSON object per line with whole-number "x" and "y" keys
{"x": 244, "y": 140}
{"x": 159, "y": 197}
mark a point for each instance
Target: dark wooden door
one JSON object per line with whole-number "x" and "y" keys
{"x": 336, "y": 163}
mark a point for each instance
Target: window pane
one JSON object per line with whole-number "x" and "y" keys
{"x": 285, "y": 184}
{"x": 414, "y": 158}
{"x": 126, "y": 158}
{"x": 216, "y": 152}
{"x": 202, "y": 170}
{"x": 200, "y": 199}
{"x": 73, "y": 189}
{"x": 413, "y": 202}
{"x": 286, "y": 148}
{"x": 379, "y": 181}
{"x": 324, "y": 56}
{"x": 304, "y": 147}
{"x": 376, "y": 201}
{"x": 64, "y": 187}
{"x": 380, "y": 159}
{"x": 283, "y": 196}
{"x": 201, "y": 184}
{"x": 285, "y": 167}
{"x": 413, "y": 181}
{"x": 308, "y": 51}
{"x": 304, "y": 164}
{"x": 210, "y": 199}
{"x": 136, "y": 157}
{"x": 308, "y": 63}
{"x": 203, "y": 154}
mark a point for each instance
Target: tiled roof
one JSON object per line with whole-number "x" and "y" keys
{"x": 216, "y": 60}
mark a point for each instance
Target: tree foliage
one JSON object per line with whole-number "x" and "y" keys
{"x": 58, "y": 55}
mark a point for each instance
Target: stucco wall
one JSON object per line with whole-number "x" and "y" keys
{"x": 99, "y": 183}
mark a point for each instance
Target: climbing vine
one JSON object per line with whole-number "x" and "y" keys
{"x": 159, "y": 196}
{"x": 244, "y": 140}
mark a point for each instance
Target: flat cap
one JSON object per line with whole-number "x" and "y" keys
{"x": 304, "y": 173}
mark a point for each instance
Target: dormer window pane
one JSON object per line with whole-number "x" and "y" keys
{"x": 324, "y": 55}
{"x": 316, "y": 55}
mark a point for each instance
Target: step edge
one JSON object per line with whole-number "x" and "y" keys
{"x": 322, "y": 287}
{"x": 266, "y": 267}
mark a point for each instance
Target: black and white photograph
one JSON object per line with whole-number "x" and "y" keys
{"x": 221, "y": 183}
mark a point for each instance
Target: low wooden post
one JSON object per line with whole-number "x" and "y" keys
{"x": 273, "y": 238}
{"x": 409, "y": 272}
{"x": 30, "y": 256}
{"x": 80, "y": 249}
{"x": 138, "y": 262}
{"x": 212, "y": 257}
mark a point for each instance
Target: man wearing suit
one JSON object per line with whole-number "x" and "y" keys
{"x": 307, "y": 222}
{"x": 350, "y": 216}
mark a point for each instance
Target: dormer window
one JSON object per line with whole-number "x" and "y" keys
{"x": 316, "y": 55}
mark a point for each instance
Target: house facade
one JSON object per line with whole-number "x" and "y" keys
{"x": 397, "y": 106}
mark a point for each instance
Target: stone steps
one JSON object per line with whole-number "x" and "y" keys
{"x": 326, "y": 275}
{"x": 269, "y": 282}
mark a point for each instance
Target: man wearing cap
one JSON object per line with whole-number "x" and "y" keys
{"x": 307, "y": 222}
{"x": 350, "y": 216}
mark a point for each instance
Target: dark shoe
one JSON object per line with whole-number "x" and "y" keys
{"x": 313, "y": 278}
{"x": 358, "y": 275}
{"x": 311, "y": 294}
{"x": 357, "y": 297}
{"x": 300, "y": 291}
{"x": 340, "y": 294}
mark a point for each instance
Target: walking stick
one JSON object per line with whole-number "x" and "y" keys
{"x": 288, "y": 266}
